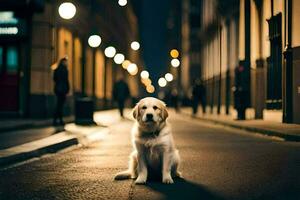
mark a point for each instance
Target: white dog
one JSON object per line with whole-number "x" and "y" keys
{"x": 152, "y": 140}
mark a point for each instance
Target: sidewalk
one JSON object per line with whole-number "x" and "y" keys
{"x": 20, "y": 124}
{"x": 25, "y": 140}
{"x": 288, "y": 132}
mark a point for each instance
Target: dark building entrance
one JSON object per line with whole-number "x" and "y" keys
{"x": 274, "y": 73}
{"x": 9, "y": 77}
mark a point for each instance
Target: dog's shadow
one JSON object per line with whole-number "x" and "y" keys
{"x": 183, "y": 189}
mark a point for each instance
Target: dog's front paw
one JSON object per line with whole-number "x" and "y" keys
{"x": 168, "y": 180}
{"x": 140, "y": 180}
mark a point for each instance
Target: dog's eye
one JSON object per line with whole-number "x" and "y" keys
{"x": 155, "y": 107}
{"x": 144, "y": 107}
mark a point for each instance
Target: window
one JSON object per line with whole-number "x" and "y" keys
{"x": 12, "y": 60}
{"x": 1, "y": 58}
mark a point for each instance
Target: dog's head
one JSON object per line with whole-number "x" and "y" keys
{"x": 150, "y": 111}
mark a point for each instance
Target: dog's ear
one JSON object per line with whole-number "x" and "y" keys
{"x": 164, "y": 113}
{"x": 135, "y": 111}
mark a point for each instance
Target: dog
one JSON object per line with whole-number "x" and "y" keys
{"x": 154, "y": 150}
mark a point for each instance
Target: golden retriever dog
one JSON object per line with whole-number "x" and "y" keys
{"x": 154, "y": 152}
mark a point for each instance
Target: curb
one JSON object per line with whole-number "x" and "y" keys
{"x": 285, "y": 136}
{"x": 43, "y": 146}
{"x": 29, "y": 125}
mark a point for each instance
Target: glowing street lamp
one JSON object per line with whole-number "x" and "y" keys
{"x": 119, "y": 58}
{"x": 67, "y": 10}
{"x": 135, "y": 45}
{"x": 94, "y": 41}
{"x": 162, "y": 82}
{"x": 132, "y": 69}
{"x": 144, "y": 74}
{"x": 110, "y": 52}
{"x": 125, "y": 64}
{"x": 169, "y": 77}
{"x": 122, "y": 2}
{"x": 175, "y": 62}
{"x": 174, "y": 53}
{"x": 150, "y": 89}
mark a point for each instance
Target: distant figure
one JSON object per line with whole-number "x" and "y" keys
{"x": 198, "y": 95}
{"x": 61, "y": 89}
{"x": 241, "y": 94}
{"x": 120, "y": 94}
{"x": 175, "y": 99}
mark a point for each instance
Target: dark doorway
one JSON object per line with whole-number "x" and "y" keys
{"x": 274, "y": 73}
{"x": 9, "y": 77}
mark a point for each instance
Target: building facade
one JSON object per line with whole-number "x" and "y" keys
{"x": 33, "y": 37}
{"x": 256, "y": 41}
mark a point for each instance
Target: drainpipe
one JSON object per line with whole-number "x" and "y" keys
{"x": 288, "y": 56}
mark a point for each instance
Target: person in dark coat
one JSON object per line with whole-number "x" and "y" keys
{"x": 120, "y": 94}
{"x": 198, "y": 95}
{"x": 61, "y": 89}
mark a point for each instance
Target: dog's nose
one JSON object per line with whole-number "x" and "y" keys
{"x": 149, "y": 116}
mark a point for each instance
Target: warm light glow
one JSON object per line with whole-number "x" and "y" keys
{"x": 162, "y": 82}
{"x": 132, "y": 69}
{"x": 122, "y": 2}
{"x": 146, "y": 81}
{"x": 110, "y": 52}
{"x": 119, "y": 58}
{"x": 174, "y": 53}
{"x": 94, "y": 41}
{"x": 135, "y": 45}
{"x": 125, "y": 64}
{"x": 67, "y": 10}
{"x": 175, "y": 62}
{"x": 150, "y": 89}
{"x": 144, "y": 74}
{"x": 169, "y": 77}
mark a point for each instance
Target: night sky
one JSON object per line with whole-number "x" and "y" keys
{"x": 152, "y": 19}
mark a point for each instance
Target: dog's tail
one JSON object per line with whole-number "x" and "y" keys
{"x": 123, "y": 175}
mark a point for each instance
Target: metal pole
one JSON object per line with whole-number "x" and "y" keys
{"x": 288, "y": 56}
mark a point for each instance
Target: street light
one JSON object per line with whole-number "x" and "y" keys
{"x": 110, "y": 52}
{"x": 150, "y": 88}
{"x": 119, "y": 58}
{"x": 132, "y": 69}
{"x": 122, "y": 2}
{"x": 67, "y": 10}
{"x": 175, "y": 62}
{"x": 144, "y": 74}
{"x": 125, "y": 64}
{"x": 169, "y": 77}
{"x": 162, "y": 82}
{"x": 135, "y": 45}
{"x": 94, "y": 41}
{"x": 174, "y": 53}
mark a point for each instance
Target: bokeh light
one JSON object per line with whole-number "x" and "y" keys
{"x": 125, "y": 64}
{"x": 174, "y": 53}
{"x": 175, "y": 62}
{"x": 122, "y": 2}
{"x": 162, "y": 82}
{"x": 135, "y": 45}
{"x": 110, "y": 51}
{"x": 119, "y": 58}
{"x": 132, "y": 69}
{"x": 144, "y": 74}
{"x": 169, "y": 77}
{"x": 94, "y": 41}
{"x": 67, "y": 10}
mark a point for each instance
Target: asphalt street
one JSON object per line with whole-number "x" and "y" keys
{"x": 217, "y": 163}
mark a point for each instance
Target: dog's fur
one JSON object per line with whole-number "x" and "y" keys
{"x": 152, "y": 140}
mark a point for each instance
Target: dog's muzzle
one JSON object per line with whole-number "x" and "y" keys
{"x": 149, "y": 117}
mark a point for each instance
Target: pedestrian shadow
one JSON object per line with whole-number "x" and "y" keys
{"x": 183, "y": 189}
